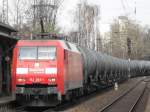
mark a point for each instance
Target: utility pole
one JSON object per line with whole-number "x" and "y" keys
{"x": 129, "y": 47}
{"x": 123, "y": 33}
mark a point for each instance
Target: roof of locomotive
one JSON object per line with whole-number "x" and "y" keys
{"x": 65, "y": 44}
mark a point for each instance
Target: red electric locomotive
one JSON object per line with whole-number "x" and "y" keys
{"x": 50, "y": 71}
{"x": 46, "y": 70}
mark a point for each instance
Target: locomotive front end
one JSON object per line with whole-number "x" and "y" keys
{"x": 37, "y": 73}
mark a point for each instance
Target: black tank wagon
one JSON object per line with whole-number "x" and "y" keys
{"x": 103, "y": 70}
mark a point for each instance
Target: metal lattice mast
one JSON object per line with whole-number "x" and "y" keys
{"x": 46, "y": 11}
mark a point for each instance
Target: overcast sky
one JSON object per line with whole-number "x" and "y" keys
{"x": 110, "y": 9}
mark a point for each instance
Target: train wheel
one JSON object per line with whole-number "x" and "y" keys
{"x": 68, "y": 96}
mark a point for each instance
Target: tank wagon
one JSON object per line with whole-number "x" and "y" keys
{"x": 48, "y": 71}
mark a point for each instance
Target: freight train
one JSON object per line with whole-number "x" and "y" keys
{"x": 48, "y": 71}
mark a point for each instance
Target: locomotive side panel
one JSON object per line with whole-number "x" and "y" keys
{"x": 14, "y": 66}
{"x": 73, "y": 68}
{"x": 61, "y": 71}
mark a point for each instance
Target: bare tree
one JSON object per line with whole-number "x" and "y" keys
{"x": 19, "y": 13}
{"x": 126, "y": 38}
{"x": 5, "y": 11}
{"x": 87, "y": 18}
{"x": 43, "y": 13}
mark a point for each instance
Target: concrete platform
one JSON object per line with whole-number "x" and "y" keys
{"x": 148, "y": 106}
{"x": 147, "y": 109}
{"x": 7, "y": 99}
{"x": 147, "y": 103}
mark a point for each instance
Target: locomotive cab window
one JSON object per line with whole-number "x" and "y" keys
{"x": 27, "y": 53}
{"x": 47, "y": 53}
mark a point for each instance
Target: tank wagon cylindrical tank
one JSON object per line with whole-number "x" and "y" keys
{"x": 103, "y": 69}
{"x": 100, "y": 68}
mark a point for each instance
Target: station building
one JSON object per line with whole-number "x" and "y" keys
{"x": 7, "y": 43}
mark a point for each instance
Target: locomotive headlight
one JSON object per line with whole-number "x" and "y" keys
{"x": 51, "y": 71}
{"x": 21, "y": 80}
{"x": 22, "y": 70}
{"x": 51, "y": 79}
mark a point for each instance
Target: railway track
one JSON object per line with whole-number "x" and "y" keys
{"x": 138, "y": 90}
{"x": 35, "y": 109}
{"x": 32, "y": 109}
{"x": 65, "y": 105}
{"x": 21, "y": 109}
{"x": 127, "y": 101}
